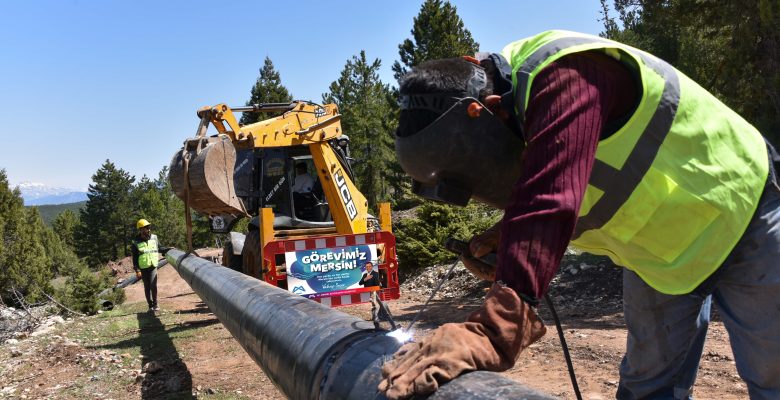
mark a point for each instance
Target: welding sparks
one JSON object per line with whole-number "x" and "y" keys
{"x": 400, "y": 335}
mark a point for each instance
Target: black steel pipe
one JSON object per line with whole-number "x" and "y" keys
{"x": 131, "y": 280}
{"x": 311, "y": 351}
{"x": 108, "y": 304}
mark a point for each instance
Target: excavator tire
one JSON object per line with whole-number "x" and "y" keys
{"x": 210, "y": 173}
{"x": 229, "y": 259}
{"x": 250, "y": 256}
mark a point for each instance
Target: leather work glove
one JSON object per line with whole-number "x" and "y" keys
{"x": 138, "y": 274}
{"x": 491, "y": 340}
{"x": 479, "y": 246}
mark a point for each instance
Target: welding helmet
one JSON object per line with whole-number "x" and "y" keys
{"x": 467, "y": 152}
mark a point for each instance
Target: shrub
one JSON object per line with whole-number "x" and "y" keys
{"x": 421, "y": 238}
{"x": 81, "y": 291}
{"x": 82, "y": 286}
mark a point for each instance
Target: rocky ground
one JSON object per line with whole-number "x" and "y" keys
{"x": 183, "y": 352}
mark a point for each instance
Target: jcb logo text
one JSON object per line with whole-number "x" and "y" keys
{"x": 346, "y": 196}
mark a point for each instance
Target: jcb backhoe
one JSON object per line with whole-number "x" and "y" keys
{"x": 314, "y": 241}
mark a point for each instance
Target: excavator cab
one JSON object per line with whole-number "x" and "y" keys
{"x": 261, "y": 178}
{"x": 308, "y": 198}
{"x": 289, "y": 185}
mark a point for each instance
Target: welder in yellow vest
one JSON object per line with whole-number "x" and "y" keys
{"x": 589, "y": 142}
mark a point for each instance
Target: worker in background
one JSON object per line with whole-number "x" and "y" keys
{"x": 304, "y": 183}
{"x": 584, "y": 140}
{"x": 146, "y": 252}
{"x": 303, "y": 197}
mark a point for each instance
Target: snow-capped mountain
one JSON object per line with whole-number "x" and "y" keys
{"x": 37, "y": 194}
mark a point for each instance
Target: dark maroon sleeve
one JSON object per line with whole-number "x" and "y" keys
{"x": 570, "y": 102}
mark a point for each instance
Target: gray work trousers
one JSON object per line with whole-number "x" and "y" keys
{"x": 666, "y": 333}
{"x": 149, "y": 277}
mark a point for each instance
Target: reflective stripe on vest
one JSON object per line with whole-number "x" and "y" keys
{"x": 642, "y": 155}
{"x": 148, "y": 253}
{"x": 673, "y": 190}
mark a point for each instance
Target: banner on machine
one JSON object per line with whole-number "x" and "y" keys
{"x": 328, "y": 272}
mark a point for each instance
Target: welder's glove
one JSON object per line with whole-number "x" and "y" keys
{"x": 491, "y": 340}
{"x": 479, "y": 246}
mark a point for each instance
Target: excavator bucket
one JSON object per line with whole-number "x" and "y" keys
{"x": 204, "y": 168}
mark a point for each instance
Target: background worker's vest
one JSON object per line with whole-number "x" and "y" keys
{"x": 672, "y": 190}
{"x": 147, "y": 252}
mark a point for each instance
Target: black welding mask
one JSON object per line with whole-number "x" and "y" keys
{"x": 467, "y": 152}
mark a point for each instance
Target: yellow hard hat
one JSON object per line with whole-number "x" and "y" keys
{"x": 142, "y": 223}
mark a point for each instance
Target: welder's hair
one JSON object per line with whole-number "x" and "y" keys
{"x": 447, "y": 75}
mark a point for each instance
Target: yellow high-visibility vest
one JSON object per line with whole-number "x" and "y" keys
{"x": 148, "y": 254}
{"x": 673, "y": 190}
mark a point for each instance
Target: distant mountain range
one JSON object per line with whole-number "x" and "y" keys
{"x": 36, "y": 194}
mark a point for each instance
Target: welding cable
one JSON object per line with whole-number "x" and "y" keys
{"x": 564, "y": 346}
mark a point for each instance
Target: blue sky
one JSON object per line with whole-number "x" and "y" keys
{"x": 85, "y": 81}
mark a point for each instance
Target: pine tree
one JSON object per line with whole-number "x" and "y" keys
{"x": 26, "y": 265}
{"x": 730, "y": 47}
{"x": 11, "y": 212}
{"x": 438, "y": 32}
{"x": 11, "y": 220}
{"x": 106, "y": 221}
{"x": 30, "y": 252}
{"x": 267, "y": 89}
{"x": 60, "y": 257}
{"x": 64, "y": 226}
{"x": 155, "y": 201}
{"x": 201, "y": 232}
{"x": 364, "y": 103}
{"x": 81, "y": 291}
{"x": 147, "y": 202}
{"x": 172, "y": 226}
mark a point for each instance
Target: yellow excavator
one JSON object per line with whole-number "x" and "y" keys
{"x": 315, "y": 240}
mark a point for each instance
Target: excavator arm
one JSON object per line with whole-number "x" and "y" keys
{"x": 347, "y": 204}
{"x": 202, "y": 171}
{"x": 301, "y": 124}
